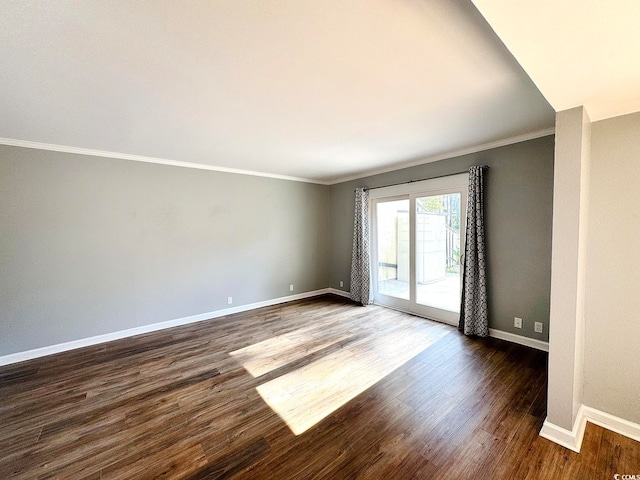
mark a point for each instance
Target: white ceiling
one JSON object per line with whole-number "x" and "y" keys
{"x": 578, "y": 53}
{"x": 314, "y": 89}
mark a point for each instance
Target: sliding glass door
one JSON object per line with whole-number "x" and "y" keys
{"x": 417, "y": 243}
{"x": 438, "y": 252}
{"x": 393, "y": 252}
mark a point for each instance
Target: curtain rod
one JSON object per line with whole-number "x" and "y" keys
{"x": 485, "y": 167}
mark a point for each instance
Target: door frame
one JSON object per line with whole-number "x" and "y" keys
{"x": 411, "y": 191}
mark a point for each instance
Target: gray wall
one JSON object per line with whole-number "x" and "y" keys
{"x": 92, "y": 245}
{"x": 519, "y": 200}
{"x": 612, "y": 301}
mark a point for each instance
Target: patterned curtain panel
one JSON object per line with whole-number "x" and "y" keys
{"x": 473, "y": 310}
{"x": 361, "y": 259}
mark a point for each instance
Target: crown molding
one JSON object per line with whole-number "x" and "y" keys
{"x": 450, "y": 154}
{"x": 141, "y": 158}
{"x": 200, "y": 166}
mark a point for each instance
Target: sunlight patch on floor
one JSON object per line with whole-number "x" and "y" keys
{"x": 305, "y": 396}
{"x": 269, "y": 355}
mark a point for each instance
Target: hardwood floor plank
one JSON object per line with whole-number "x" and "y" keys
{"x": 473, "y": 457}
{"x": 517, "y": 449}
{"x": 193, "y": 402}
{"x": 99, "y": 410}
{"x": 617, "y": 454}
{"x": 173, "y": 462}
{"x": 232, "y": 463}
{"x": 591, "y": 445}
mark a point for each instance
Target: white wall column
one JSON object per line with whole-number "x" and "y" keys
{"x": 568, "y": 258}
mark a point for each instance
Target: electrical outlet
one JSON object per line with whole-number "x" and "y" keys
{"x": 229, "y": 300}
{"x": 291, "y": 288}
{"x": 537, "y": 327}
{"x": 341, "y": 283}
{"x": 517, "y": 322}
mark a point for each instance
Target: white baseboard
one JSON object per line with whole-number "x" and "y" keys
{"x": 573, "y": 439}
{"x": 526, "y": 341}
{"x": 108, "y": 337}
{"x": 613, "y": 423}
{"x": 341, "y": 293}
{"x": 501, "y": 334}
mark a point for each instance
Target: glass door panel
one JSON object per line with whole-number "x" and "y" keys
{"x": 438, "y": 247}
{"x": 393, "y": 249}
{"x": 417, "y": 246}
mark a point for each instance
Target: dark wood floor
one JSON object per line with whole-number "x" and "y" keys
{"x": 393, "y": 396}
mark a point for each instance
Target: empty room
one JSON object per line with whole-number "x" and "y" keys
{"x": 334, "y": 240}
